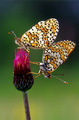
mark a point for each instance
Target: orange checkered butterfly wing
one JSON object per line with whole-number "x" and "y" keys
{"x": 56, "y": 54}
{"x": 42, "y": 34}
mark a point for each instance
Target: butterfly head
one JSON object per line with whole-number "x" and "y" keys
{"x": 44, "y": 71}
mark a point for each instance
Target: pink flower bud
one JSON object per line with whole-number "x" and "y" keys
{"x": 21, "y": 79}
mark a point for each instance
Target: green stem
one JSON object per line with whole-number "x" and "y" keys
{"x": 26, "y": 104}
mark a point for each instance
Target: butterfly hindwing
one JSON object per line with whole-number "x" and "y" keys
{"x": 56, "y": 54}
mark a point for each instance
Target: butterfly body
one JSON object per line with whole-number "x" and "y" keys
{"x": 44, "y": 71}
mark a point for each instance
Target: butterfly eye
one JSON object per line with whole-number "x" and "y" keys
{"x": 28, "y": 45}
{"x": 49, "y": 76}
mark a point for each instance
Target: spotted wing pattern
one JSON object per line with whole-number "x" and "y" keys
{"x": 56, "y": 54}
{"x": 42, "y": 34}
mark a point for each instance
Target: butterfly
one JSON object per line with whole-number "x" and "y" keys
{"x": 39, "y": 36}
{"x": 55, "y": 55}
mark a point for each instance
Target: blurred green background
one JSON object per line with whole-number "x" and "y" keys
{"x": 49, "y": 99}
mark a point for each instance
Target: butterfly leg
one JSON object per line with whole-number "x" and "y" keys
{"x": 38, "y": 74}
{"x": 21, "y": 47}
{"x": 32, "y": 73}
{"x": 36, "y": 63}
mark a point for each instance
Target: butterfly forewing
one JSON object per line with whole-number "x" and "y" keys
{"x": 56, "y": 54}
{"x": 42, "y": 34}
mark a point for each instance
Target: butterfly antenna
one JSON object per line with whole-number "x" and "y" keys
{"x": 60, "y": 79}
{"x": 59, "y": 74}
{"x": 14, "y": 34}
